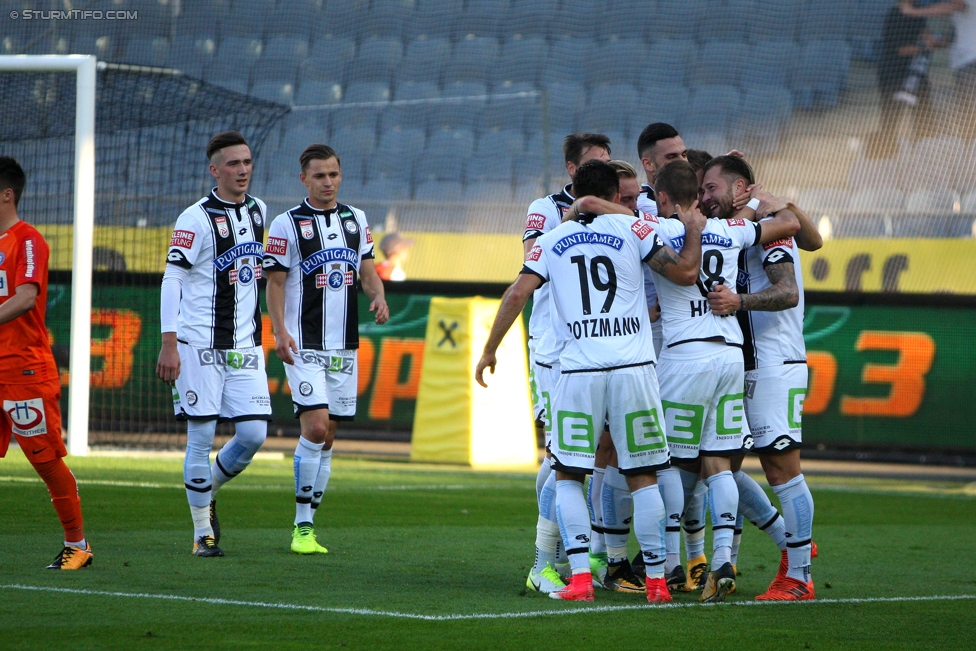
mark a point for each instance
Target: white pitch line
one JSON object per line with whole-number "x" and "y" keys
{"x": 458, "y": 617}
{"x": 134, "y": 484}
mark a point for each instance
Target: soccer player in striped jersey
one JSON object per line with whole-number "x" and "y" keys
{"x": 769, "y": 308}
{"x": 210, "y": 315}
{"x": 543, "y": 215}
{"x": 316, "y": 253}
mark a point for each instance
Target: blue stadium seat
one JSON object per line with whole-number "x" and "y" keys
{"x": 866, "y": 25}
{"x": 574, "y": 19}
{"x": 269, "y": 69}
{"x": 610, "y": 107}
{"x": 763, "y": 113}
{"x": 439, "y": 192}
{"x": 340, "y": 17}
{"x": 824, "y": 201}
{"x": 661, "y": 104}
{"x": 724, "y": 20}
{"x": 617, "y": 62}
{"x": 147, "y": 52}
{"x": 201, "y": 19}
{"x": 376, "y": 60}
{"x": 775, "y": 19}
{"x": 628, "y": 19}
{"x": 867, "y": 201}
{"x": 286, "y": 48}
{"x": 770, "y": 63}
{"x": 424, "y": 59}
{"x": 527, "y": 191}
{"x": 354, "y": 146}
{"x": 396, "y": 154}
{"x": 191, "y": 54}
{"x": 499, "y": 143}
{"x": 447, "y": 151}
{"x": 462, "y": 113}
{"x": 387, "y": 190}
{"x": 566, "y": 101}
{"x": 821, "y": 73}
{"x": 433, "y": 18}
{"x": 274, "y": 91}
{"x": 387, "y": 18}
{"x": 932, "y": 201}
{"x": 410, "y": 116}
{"x": 870, "y": 173}
{"x": 488, "y": 191}
{"x": 359, "y": 92}
{"x": 672, "y": 20}
{"x": 366, "y": 91}
{"x": 232, "y": 64}
{"x": 248, "y": 19}
{"x": 310, "y": 70}
{"x": 532, "y": 18}
{"x": 521, "y": 59}
{"x": 720, "y": 62}
{"x": 311, "y": 92}
{"x": 332, "y": 48}
{"x": 294, "y": 18}
{"x": 102, "y": 46}
{"x": 514, "y": 105}
{"x": 825, "y": 19}
{"x": 155, "y": 17}
{"x": 298, "y": 136}
{"x": 482, "y": 18}
{"x": 417, "y": 90}
{"x": 45, "y": 45}
{"x": 668, "y": 63}
{"x": 567, "y": 60}
{"x": 710, "y": 110}
{"x": 473, "y": 58}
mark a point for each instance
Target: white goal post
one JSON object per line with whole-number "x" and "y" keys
{"x": 79, "y": 367}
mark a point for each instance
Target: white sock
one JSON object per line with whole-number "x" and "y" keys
{"x": 574, "y": 523}
{"x": 723, "y": 501}
{"x": 81, "y": 544}
{"x": 321, "y": 481}
{"x": 547, "y": 498}
{"x": 736, "y": 539}
{"x": 546, "y": 540}
{"x": 594, "y": 501}
{"x": 237, "y": 453}
{"x": 693, "y": 516}
{"x": 797, "y": 504}
{"x": 308, "y": 458}
{"x": 201, "y": 521}
{"x": 672, "y": 492}
{"x": 196, "y": 464}
{"x": 618, "y": 512}
{"x": 649, "y": 523}
{"x": 754, "y": 504}
{"x": 545, "y": 469}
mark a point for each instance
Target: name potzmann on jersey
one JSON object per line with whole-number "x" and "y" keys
{"x": 319, "y": 258}
{"x": 593, "y": 328}
{"x": 586, "y": 237}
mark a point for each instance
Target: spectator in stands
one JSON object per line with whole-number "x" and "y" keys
{"x": 962, "y": 56}
{"x": 396, "y": 250}
{"x": 903, "y": 38}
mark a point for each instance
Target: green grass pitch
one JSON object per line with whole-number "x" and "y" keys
{"x": 425, "y": 557}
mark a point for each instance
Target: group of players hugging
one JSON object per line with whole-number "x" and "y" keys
{"x": 666, "y": 341}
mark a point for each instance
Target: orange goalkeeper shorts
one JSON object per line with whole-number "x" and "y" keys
{"x": 31, "y": 413}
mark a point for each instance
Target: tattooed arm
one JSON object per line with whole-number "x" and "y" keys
{"x": 781, "y": 295}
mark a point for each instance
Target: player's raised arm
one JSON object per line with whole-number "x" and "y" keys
{"x": 676, "y": 189}
{"x": 513, "y": 301}
{"x": 373, "y": 288}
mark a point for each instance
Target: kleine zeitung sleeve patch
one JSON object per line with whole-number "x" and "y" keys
{"x": 641, "y": 229}
{"x": 183, "y": 239}
{"x": 277, "y": 246}
{"x": 534, "y": 254}
{"x": 535, "y": 222}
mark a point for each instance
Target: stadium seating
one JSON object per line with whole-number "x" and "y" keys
{"x": 667, "y": 63}
{"x": 871, "y": 200}
{"x": 376, "y": 60}
{"x": 424, "y": 59}
{"x": 824, "y": 201}
{"x": 925, "y": 166}
{"x": 521, "y": 59}
{"x": 932, "y": 202}
{"x": 387, "y": 18}
{"x": 147, "y": 51}
{"x": 720, "y": 63}
{"x": 294, "y": 19}
{"x": 775, "y": 19}
{"x": 433, "y": 18}
{"x": 723, "y": 20}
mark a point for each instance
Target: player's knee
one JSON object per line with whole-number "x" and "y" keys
{"x": 252, "y": 433}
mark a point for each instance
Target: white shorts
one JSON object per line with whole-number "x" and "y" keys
{"x": 629, "y": 398}
{"x": 537, "y": 406}
{"x": 546, "y": 377}
{"x": 702, "y": 394}
{"x": 324, "y": 379}
{"x": 222, "y": 384}
{"x": 774, "y": 406}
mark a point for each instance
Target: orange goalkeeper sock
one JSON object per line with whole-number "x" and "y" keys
{"x": 63, "y": 488}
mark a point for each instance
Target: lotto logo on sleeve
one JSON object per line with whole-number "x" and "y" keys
{"x": 183, "y": 239}
{"x": 641, "y": 229}
{"x": 786, "y": 241}
{"x": 27, "y": 416}
{"x": 276, "y": 246}
{"x": 534, "y": 254}
{"x": 535, "y": 222}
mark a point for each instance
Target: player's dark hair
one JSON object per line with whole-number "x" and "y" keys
{"x": 317, "y": 152}
{"x": 732, "y": 167}
{"x": 679, "y": 181}
{"x": 576, "y": 143}
{"x": 651, "y": 134}
{"x": 222, "y": 140}
{"x": 12, "y": 177}
{"x": 594, "y": 178}
{"x": 698, "y": 159}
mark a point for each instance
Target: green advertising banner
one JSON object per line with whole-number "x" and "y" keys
{"x": 881, "y": 375}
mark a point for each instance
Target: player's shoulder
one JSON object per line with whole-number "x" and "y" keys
{"x": 358, "y": 213}
{"x": 198, "y": 212}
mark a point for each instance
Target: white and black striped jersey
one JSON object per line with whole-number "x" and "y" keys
{"x": 544, "y": 215}
{"x": 219, "y": 243}
{"x": 647, "y": 204}
{"x": 322, "y": 251}
{"x": 684, "y": 309}
{"x": 593, "y": 268}
{"x": 770, "y": 338}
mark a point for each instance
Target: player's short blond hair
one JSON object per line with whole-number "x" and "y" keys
{"x": 623, "y": 169}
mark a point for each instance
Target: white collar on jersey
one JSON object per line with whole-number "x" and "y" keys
{"x": 213, "y": 195}
{"x": 319, "y": 211}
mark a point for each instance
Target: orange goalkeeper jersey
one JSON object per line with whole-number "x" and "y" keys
{"x": 25, "y": 353}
